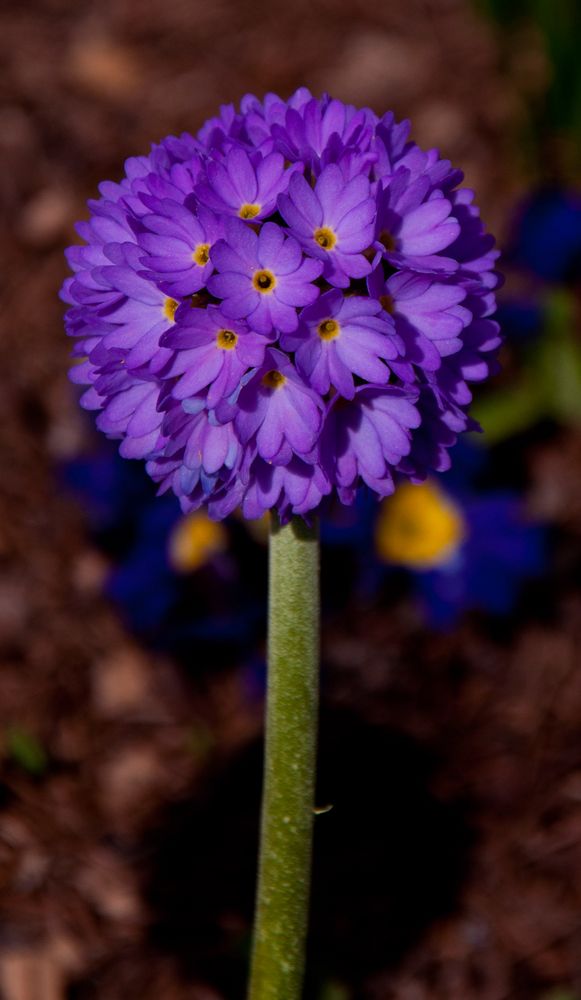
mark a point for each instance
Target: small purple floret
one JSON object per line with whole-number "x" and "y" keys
{"x": 245, "y": 187}
{"x": 263, "y": 277}
{"x": 334, "y": 222}
{"x": 177, "y": 248}
{"x": 278, "y": 411}
{"x": 211, "y": 352}
{"x": 340, "y": 337}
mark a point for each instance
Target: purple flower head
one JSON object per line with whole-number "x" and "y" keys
{"x": 288, "y": 307}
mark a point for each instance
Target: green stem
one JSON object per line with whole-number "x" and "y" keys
{"x": 282, "y": 902}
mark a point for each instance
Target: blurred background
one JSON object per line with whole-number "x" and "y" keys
{"x": 132, "y": 639}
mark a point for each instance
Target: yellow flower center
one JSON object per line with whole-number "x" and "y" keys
{"x": 273, "y": 379}
{"x": 264, "y": 281}
{"x": 387, "y": 239}
{"x": 194, "y": 540}
{"x": 387, "y": 303}
{"x": 249, "y": 211}
{"x": 226, "y": 339}
{"x": 328, "y": 329}
{"x": 419, "y": 527}
{"x": 201, "y": 254}
{"x": 169, "y": 309}
{"x": 325, "y": 237}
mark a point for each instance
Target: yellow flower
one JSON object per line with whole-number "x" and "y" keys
{"x": 419, "y": 527}
{"x": 194, "y": 540}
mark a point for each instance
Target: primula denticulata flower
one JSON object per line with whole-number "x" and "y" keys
{"x": 286, "y": 308}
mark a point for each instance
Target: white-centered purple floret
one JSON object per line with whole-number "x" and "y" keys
{"x": 285, "y": 308}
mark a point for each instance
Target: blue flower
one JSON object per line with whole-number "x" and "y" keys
{"x": 465, "y": 551}
{"x": 173, "y": 577}
{"x": 521, "y": 319}
{"x": 109, "y": 490}
{"x": 178, "y": 582}
{"x": 547, "y": 237}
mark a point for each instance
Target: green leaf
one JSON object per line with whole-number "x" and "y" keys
{"x": 509, "y": 410}
{"x": 560, "y": 994}
{"x": 26, "y": 751}
{"x": 557, "y": 363}
{"x": 503, "y": 11}
{"x": 200, "y": 741}
{"x": 334, "y": 991}
{"x": 550, "y": 381}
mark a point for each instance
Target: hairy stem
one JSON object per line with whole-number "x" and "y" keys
{"x": 280, "y": 931}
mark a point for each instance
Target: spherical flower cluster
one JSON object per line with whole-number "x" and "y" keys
{"x": 283, "y": 309}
